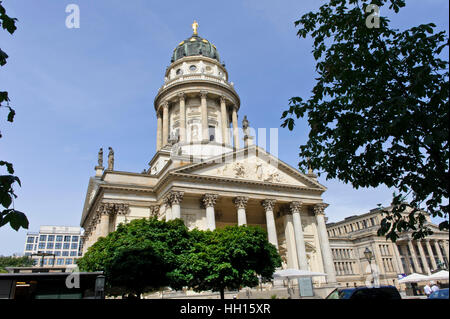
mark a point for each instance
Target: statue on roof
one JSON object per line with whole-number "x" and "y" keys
{"x": 100, "y": 157}
{"x": 111, "y": 159}
{"x": 245, "y": 126}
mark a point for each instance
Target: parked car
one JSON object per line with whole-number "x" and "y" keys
{"x": 382, "y": 292}
{"x": 440, "y": 294}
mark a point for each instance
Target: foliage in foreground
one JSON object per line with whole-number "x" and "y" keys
{"x": 147, "y": 254}
{"x": 379, "y": 110}
{"x": 15, "y": 218}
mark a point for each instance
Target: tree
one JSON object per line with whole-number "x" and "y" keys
{"x": 140, "y": 256}
{"x": 15, "y": 218}
{"x": 379, "y": 110}
{"x": 230, "y": 257}
{"x": 14, "y": 261}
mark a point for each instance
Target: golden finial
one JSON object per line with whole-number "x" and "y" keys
{"x": 195, "y": 27}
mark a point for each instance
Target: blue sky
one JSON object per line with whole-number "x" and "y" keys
{"x": 76, "y": 90}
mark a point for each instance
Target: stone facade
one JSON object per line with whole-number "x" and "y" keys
{"x": 201, "y": 175}
{"x": 350, "y": 237}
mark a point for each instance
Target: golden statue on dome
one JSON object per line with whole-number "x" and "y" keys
{"x": 195, "y": 27}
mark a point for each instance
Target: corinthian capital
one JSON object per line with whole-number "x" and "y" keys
{"x": 319, "y": 209}
{"x": 295, "y": 207}
{"x": 167, "y": 200}
{"x": 268, "y": 204}
{"x": 203, "y": 94}
{"x": 154, "y": 211}
{"x": 223, "y": 99}
{"x": 209, "y": 200}
{"x": 181, "y": 96}
{"x": 176, "y": 197}
{"x": 241, "y": 202}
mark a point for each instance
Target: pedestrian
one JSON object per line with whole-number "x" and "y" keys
{"x": 434, "y": 287}
{"x": 427, "y": 290}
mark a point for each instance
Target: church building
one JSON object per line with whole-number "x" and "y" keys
{"x": 206, "y": 174}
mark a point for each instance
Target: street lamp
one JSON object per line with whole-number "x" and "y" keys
{"x": 368, "y": 254}
{"x": 43, "y": 255}
{"x": 100, "y": 286}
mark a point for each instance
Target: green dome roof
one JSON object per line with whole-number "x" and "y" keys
{"x": 195, "y": 45}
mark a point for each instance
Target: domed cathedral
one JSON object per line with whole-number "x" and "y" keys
{"x": 203, "y": 174}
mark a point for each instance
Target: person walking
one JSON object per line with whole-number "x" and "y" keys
{"x": 434, "y": 287}
{"x": 427, "y": 290}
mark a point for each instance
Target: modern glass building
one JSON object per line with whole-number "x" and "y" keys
{"x": 61, "y": 244}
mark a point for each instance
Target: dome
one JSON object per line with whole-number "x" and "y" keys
{"x": 195, "y": 45}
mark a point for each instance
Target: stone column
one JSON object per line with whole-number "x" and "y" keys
{"x": 430, "y": 253}
{"x": 408, "y": 262}
{"x": 209, "y": 201}
{"x": 401, "y": 270}
{"x": 159, "y": 130}
{"x": 224, "y": 115}
{"x": 104, "y": 224}
{"x": 268, "y": 205}
{"x": 298, "y": 231}
{"x": 168, "y": 208}
{"x": 181, "y": 96}
{"x": 241, "y": 203}
{"x": 424, "y": 259}
{"x": 291, "y": 254}
{"x": 438, "y": 251}
{"x": 204, "y": 114}
{"x": 165, "y": 136}
{"x": 235, "y": 128}
{"x": 176, "y": 198}
{"x": 414, "y": 257}
{"x": 324, "y": 243}
{"x": 445, "y": 247}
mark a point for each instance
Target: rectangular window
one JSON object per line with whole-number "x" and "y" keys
{"x": 57, "y": 253}
{"x": 43, "y": 238}
{"x": 29, "y": 247}
{"x": 59, "y": 238}
{"x": 30, "y": 240}
{"x": 49, "y": 245}
{"x": 212, "y": 133}
{"x": 65, "y": 253}
{"x": 66, "y": 238}
{"x": 60, "y": 261}
{"x": 41, "y": 245}
{"x": 69, "y": 261}
{"x": 74, "y": 246}
{"x": 50, "y": 261}
{"x": 66, "y": 246}
{"x": 74, "y": 238}
{"x": 58, "y": 246}
{"x": 51, "y": 238}
{"x": 27, "y": 254}
{"x": 73, "y": 253}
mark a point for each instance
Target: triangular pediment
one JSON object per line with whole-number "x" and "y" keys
{"x": 252, "y": 164}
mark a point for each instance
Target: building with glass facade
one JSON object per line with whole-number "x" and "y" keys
{"x": 61, "y": 244}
